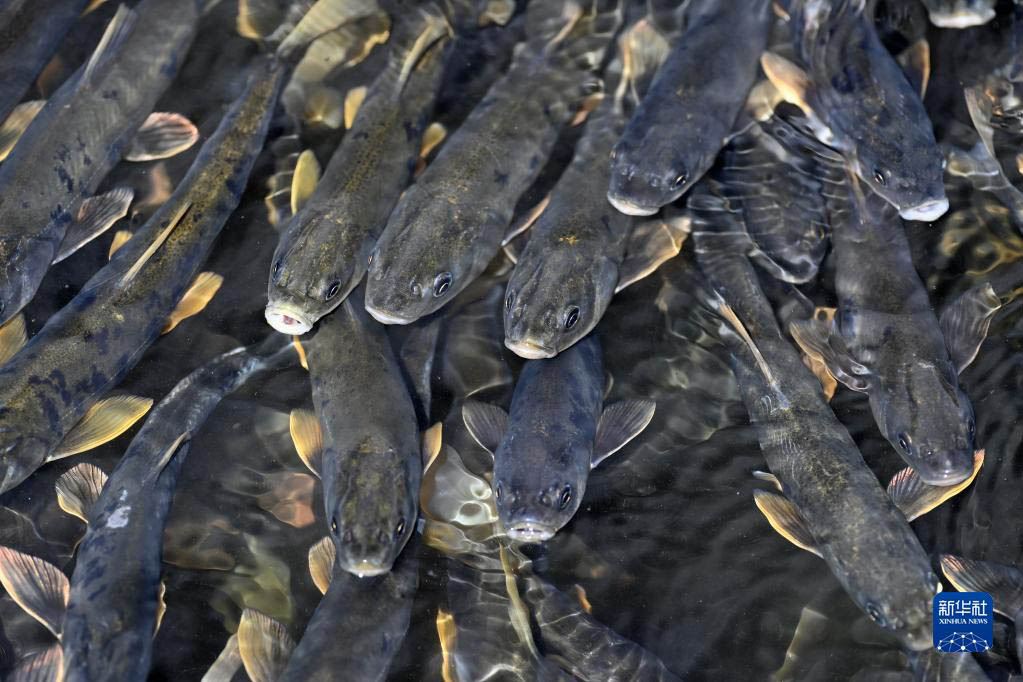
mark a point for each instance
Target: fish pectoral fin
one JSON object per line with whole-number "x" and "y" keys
{"x": 815, "y": 337}
{"x": 13, "y": 337}
{"x": 121, "y": 238}
{"x": 486, "y": 423}
{"x": 497, "y": 12}
{"x": 162, "y": 135}
{"x": 432, "y": 440}
{"x": 105, "y": 420}
{"x": 353, "y": 102}
{"x": 37, "y": 586}
{"x": 643, "y": 49}
{"x": 16, "y": 123}
{"x": 227, "y": 663}
{"x": 307, "y": 435}
{"x": 432, "y": 136}
{"x": 169, "y": 453}
{"x": 619, "y": 423}
{"x": 119, "y": 28}
{"x": 95, "y": 216}
{"x": 196, "y": 298}
{"x": 1003, "y": 583}
{"x": 304, "y": 180}
{"x": 762, "y": 100}
{"x": 914, "y": 497}
{"x": 785, "y": 518}
{"x": 322, "y": 556}
{"x": 966, "y": 322}
{"x": 768, "y": 477}
{"x": 264, "y": 645}
{"x": 915, "y": 61}
{"x": 40, "y": 666}
{"x": 78, "y": 488}
{"x": 651, "y": 243}
{"x": 794, "y": 85}
{"x": 527, "y": 220}
{"x": 258, "y": 18}
{"x": 161, "y": 607}
{"x": 300, "y": 349}
{"x": 324, "y": 106}
{"x": 513, "y": 249}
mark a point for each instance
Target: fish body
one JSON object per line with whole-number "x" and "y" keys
{"x": 449, "y": 225}
{"x": 325, "y": 249}
{"x": 688, "y": 113}
{"x": 91, "y": 343}
{"x": 83, "y": 131}
{"x": 371, "y": 459}
{"x": 111, "y": 615}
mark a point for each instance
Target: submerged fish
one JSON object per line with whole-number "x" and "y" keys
{"x": 557, "y": 430}
{"x": 688, "y": 114}
{"x": 325, "y": 249}
{"x": 960, "y": 13}
{"x": 90, "y": 124}
{"x": 1003, "y": 583}
{"x": 859, "y": 101}
{"x": 449, "y": 225}
{"x": 89, "y": 345}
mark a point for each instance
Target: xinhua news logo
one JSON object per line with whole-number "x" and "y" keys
{"x": 963, "y": 622}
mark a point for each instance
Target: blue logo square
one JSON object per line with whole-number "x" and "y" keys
{"x": 963, "y": 622}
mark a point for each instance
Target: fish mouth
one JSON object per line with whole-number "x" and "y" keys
{"x": 368, "y": 569}
{"x": 530, "y": 532}
{"x": 929, "y": 211}
{"x": 945, "y": 477}
{"x": 288, "y": 320}
{"x": 628, "y": 208}
{"x": 529, "y": 350}
{"x": 962, "y": 19}
{"x": 384, "y": 317}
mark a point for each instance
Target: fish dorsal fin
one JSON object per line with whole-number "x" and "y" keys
{"x": 487, "y": 423}
{"x": 161, "y": 606}
{"x": 792, "y": 82}
{"x": 651, "y": 243}
{"x": 435, "y": 27}
{"x": 264, "y": 645}
{"x": 768, "y": 477}
{"x": 914, "y": 498}
{"x": 915, "y": 61}
{"x": 95, "y": 216}
{"x": 736, "y": 324}
{"x": 41, "y": 666}
{"x": 169, "y": 452}
{"x": 786, "y": 519}
{"x": 307, "y": 435}
{"x": 199, "y": 294}
{"x": 37, "y": 586}
{"x": 117, "y": 31}
{"x": 619, "y": 423}
{"x": 527, "y": 220}
{"x": 227, "y": 663}
{"x": 300, "y": 349}
{"x": 78, "y": 488}
{"x": 104, "y": 421}
{"x": 966, "y": 322}
{"x": 324, "y": 106}
{"x": 121, "y": 238}
{"x": 446, "y": 633}
{"x": 353, "y": 102}
{"x": 1003, "y": 583}
{"x": 303, "y": 182}
{"x": 643, "y": 49}
{"x": 322, "y": 556}
{"x": 162, "y": 135}
{"x": 174, "y": 221}
{"x": 13, "y": 337}
{"x": 432, "y": 136}
{"x": 17, "y": 123}
{"x": 432, "y": 441}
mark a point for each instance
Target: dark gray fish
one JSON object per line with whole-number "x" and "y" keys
{"x": 89, "y": 345}
{"x": 86, "y": 128}
{"x": 111, "y": 613}
{"x": 449, "y": 225}
{"x": 1003, "y": 583}
{"x": 861, "y": 103}
{"x": 689, "y": 112}
{"x": 835, "y": 506}
{"x": 960, "y": 13}
{"x": 371, "y": 456}
{"x": 325, "y": 249}
{"x": 557, "y": 431}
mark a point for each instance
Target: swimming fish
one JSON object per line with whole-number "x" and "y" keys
{"x": 324, "y": 251}
{"x": 960, "y": 13}
{"x": 89, "y": 345}
{"x": 689, "y": 111}
{"x": 557, "y": 430}
{"x": 95, "y": 119}
{"x": 1004, "y": 584}
{"x": 449, "y": 225}
{"x": 860, "y": 102}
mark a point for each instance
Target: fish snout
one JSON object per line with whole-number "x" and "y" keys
{"x": 627, "y": 205}
{"x": 928, "y": 211}
{"x": 962, "y": 17}
{"x": 367, "y": 569}
{"x": 287, "y": 320}
{"x": 387, "y": 317}
{"x": 528, "y": 349}
{"x": 530, "y": 532}
{"x": 944, "y": 467}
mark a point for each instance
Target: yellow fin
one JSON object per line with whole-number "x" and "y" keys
{"x": 322, "y": 556}
{"x": 227, "y": 663}
{"x": 168, "y": 454}
{"x": 446, "y": 633}
{"x": 160, "y": 188}
{"x": 93, "y": 4}
{"x": 812, "y": 359}
{"x": 37, "y": 586}
{"x": 432, "y": 439}
{"x": 517, "y": 610}
{"x": 264, "y": 646}
{"x": 300, "y": 349}
{"x": 307, "y": 435}
{"x": 325, "y": 16}
{"x": 915, "y": 61}
{"x": 121, "y": 238}
{"x": 726, "y": 312}
{"x": 157, "y": 243}
{"x": 792, "y": 82}
{"x": 16, "y": 123}
{"x": 768, "y": 477}
{"x": 78, "y": 488}
{"x": 580, "y": 594}
{"x": 643, "y": 49}
{"x": 915, "y": 498}
{"x": 432, "y": 136}
{"x": 257, "y": 18}
{"x": 95, "y": 216}
{"x": 762, "y": 100}
{"x": 161, "y": 606}
{"x": 116, "y": 32}
{"x": 527, "y": 221}
{"x": 13, "y": 337}
{"x": 198, "y": 296}
{"x": 436, "y": 27}
{"x": 353, "y": 101}
{"x": 786, "y": 519}
{"x": 303, "y": 182}
{"x": 496, "y": 12}
{"x": 651, "y": 243}
{"x": 105, "y": 420}
{"x": 324, "y": 105}
{"x": 42, "y": 666}
{"x": 162, "y": 135}
{"x": 52, "y": 75}
{"x": 1004, "y": 583}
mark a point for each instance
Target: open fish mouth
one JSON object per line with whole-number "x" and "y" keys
{"x": 629, "y": 208}
{"x": 287, "y": 320}
{"x": 962, "y": 19}
{"x": 384, "y": 317}
{"x": 529, "y": 350}
{"x": 368, "y": 569}
{"x": 530, "y": 532}
{"x": 928, "y": 211}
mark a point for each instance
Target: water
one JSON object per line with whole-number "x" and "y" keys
{"x": 667, "y": 546}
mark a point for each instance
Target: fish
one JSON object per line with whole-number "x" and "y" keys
{"x": 1004, "y": 583}
{"x": 324, "y": 251}
{"x": 844, "y": 513}
{"x": 960, "y": 13}
{"x": 580, "y": 250}
{"x": 449, "y": 225}
{"x": 886, "y": 341}
{"x": 89, "y": 345}
{"x": 557, "y": 430}
{"x": 100, "y": 115}
{"x": 370, "y": 461}
{"x": 860, "y": 102}
{"x": 112, "y": 609}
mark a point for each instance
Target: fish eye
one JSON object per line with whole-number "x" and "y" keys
{"x": 276, "y": 269}
{"x": 875, "y": 614}
{"x": 332, "y": 291}
{"x": 441, "y": 284}
{"x": 566, "y": 497}
{"x": 510, "y": 301}
{"x": 497, "y": 492}
{"x": 971, "y": 426}
{"x": 679, "y": 180}
{"x": 572, "y": 317}
{"x": 879, "y": 177}
{"x": 416, "y": 289}
{"x": 904, "y": 442}
{"x": 399, "y": 529}
{"x": 333, "y": 525}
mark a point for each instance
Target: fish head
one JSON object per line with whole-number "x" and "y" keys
{"x": 929, "y": 421}
{"x": 906, "y": 612}
{"x": 551, "y": 303}
{"x": 20, "y": 456}
{"x": 25, "y": 262}
{"x": 651, "y": 172}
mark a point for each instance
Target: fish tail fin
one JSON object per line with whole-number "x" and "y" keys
{"x": 37, "y": 586}
{"x": 322, "y": 556}
{"x": 642, "y": 49}
{"x": 78, "y": 488}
